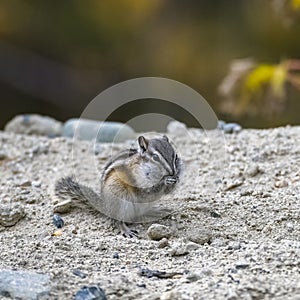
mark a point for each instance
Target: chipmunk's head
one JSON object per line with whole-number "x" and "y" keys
{"x": 161, "y": 153}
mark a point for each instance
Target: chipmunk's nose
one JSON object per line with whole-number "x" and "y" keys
{"x": 173, "y": 173}
{"x": 174, "y": 170}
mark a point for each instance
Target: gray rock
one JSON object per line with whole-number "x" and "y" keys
{"x": 232, "y": 127}
{"x": 215, "y": 214}
{"x": 242, "y": 264}
{"x": 232, "y": 184}
{"x": 190, "y": 246}
{"x": 252, "y": 171}
{"x": 229, "y": 127}
{"x": 11, "y": 215}
{"x": 34, "y": 124}
{"x": 102, "y": 132}
{"x": 177, "y": 128}
{"x": 79, "y": 273}
{"x": 193, "y": 276}
{"x": 163, "y": 243}
{"x": 178, "y": 249}
{"x": 218, "y": 242}
{"x": 36, "y": 183}
{"x": 199, "y": 236}
{"x": 58, "y": 221}
{"x": 90, "y": 293}
{"x": 24, "y": 284}
{"x": 24, "y": 183}
{"x": 157, "y": 232}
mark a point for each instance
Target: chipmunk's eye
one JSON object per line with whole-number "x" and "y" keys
{"x": 155, "y": 157}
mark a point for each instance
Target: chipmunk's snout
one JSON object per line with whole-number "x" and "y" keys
{"x": 174, "y": 171}
{"x": 175, "y": 167}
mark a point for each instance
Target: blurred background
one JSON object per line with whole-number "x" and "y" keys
{"x": 56, "y": 56}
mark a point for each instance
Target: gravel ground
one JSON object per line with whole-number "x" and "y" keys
{"x": 234, "y": 232}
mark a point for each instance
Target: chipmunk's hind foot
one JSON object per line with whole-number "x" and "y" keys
{"x": 126, "y": 231}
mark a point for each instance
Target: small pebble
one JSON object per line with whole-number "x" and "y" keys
{"x": 190, "y": 246}
{"x": 58, "y": 221}
{"x": 200, "y": 236}
{"x": 178, "y": 249}
{"x": 157, "y": 232}
{"x": 57, "y": 233}
{"x": 79, "y": 273}
{"x": 281, "y": 183}
{"x": 290, "y": 227}
{"x": 145, "y": 272}
{"x": 74, "y": 229}
{"x": 16, "y": 169}
{"x": 215, "y": 214}
{"x": 246, "y": 192}
{"x": 252, "y": 171}
{"x": 229, "y": 127}
{"x": 233, "y": 184}
{"x": 218, "y": 181}
{"x": 192, "y": 277}
{"x": 218, "y": 242}
{"x": 163, "y": 243}
{"x": 90, "y": 293}
{"x": 241, "y": 265}
{"x": 25, "y": 183}
{"x": 116, "y": 255}
{"x": 36, "y": 183}
{"x": 232, "y": 128}
{"x": 3, "y": 155}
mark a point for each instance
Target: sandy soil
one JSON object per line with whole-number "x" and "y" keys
{"x": 235, "y": 226}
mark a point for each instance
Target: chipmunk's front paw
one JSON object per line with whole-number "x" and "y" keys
{"x": 170, "y": 180}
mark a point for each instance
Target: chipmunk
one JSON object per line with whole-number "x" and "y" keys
{"x": 129, "y": 183}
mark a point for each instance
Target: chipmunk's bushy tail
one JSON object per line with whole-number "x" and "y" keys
{"x": 71, "y": 193}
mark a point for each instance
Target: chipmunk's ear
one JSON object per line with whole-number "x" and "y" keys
{"x": 143, "y": 143}
{"x": 165, "y": 138}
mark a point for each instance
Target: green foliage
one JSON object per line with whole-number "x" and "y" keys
{"x": 265, "y": 75}
{"x": 261, "y": 87}
{"x": 295, "y": 4}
